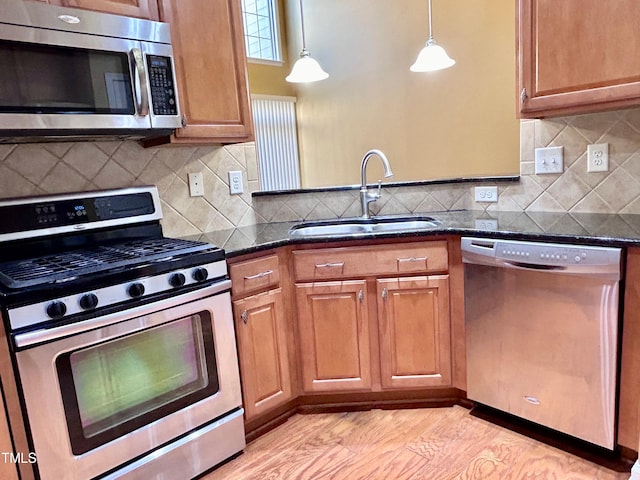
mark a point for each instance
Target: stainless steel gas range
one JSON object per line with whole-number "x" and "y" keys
{"x": 121, "y": 340}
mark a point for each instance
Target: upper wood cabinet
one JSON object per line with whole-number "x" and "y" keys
{"x": 147, "y": 9}
{"x": 577, "y": 56}
{"x": 211, "y": 70}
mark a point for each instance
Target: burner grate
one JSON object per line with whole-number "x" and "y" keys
{"x": 67, "y": 265}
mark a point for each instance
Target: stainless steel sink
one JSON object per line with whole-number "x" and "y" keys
{"x": 356, "y": 226}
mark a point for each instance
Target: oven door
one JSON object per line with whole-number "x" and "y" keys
{"x": 109, "y": 390}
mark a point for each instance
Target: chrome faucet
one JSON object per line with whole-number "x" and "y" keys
{"x": 365, "y": 196}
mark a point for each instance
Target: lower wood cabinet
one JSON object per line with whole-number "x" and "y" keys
{"x": 333, "y": 328}
{"x": 262, "y": 345}
{"x": 414, "y": 331}
{"x": 413, "y": 347}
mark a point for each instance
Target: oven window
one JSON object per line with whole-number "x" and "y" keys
{"x": 38, "y": 78}
{"x": 115, "y": 387}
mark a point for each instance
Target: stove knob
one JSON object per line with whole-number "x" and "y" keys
{"x": 88, "y": 301}
{"x": 135, "y": 290}
{"x": 177, "y": 280}
{"x": 56, "y": 309}
{"x": 200, "y": 274}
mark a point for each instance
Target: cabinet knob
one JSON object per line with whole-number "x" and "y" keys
{"x": 361, "y": 296}
{"x": 385, "y": 293}
{"x": 183, "y": 120}
{"x": 244, "y": 316}
{"x": 523, "y": 95}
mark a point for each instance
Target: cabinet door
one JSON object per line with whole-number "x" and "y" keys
{"x": 577, "y": 56}
{"x": 334, "y": 336}
{"x": 414, "y": 324}
{"x": 147, "y": 9}
{"x": 211, "y": 70}
{"x": 263, "y": 352}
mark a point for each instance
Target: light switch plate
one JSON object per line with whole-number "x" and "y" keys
{"x": 549, "y": 160}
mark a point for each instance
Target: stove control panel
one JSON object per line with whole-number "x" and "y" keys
{"x": 83, "y": 302}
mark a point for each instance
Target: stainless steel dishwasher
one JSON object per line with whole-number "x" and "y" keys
{"x": 541, "y": 327}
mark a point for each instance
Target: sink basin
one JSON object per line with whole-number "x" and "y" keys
{"x": 355, "y": 226}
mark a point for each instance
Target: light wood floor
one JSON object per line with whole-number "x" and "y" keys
{"x": 433, "y": 444}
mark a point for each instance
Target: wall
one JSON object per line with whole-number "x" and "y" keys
{"x": 452, "y": 123}
{"x": 268, "y": 78}
{"x": 33, "y": 169}
{"x": 63, "y": 167}
{"x": 615, "y": 191}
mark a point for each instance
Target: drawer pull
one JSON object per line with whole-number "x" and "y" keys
{"x": 258, "y": 275}
{"x": 413, "y": 259}
{"x": 330, "y": 265}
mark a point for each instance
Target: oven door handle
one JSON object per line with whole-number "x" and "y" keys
{"x": 45, "y": 335}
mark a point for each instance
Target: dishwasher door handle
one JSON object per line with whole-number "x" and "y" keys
{"x": 534, "y": 266}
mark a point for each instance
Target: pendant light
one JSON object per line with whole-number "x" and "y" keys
{"x": 306, "y": 69}
{"x": 432, "y": 57}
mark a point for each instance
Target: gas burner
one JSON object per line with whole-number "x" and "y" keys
{"x": 66, "y": 265}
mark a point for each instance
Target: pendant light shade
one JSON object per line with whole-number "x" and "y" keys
{"x": 306, "y": 69}
{"x": 432, "y": 57}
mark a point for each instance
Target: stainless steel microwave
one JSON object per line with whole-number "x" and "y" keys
{"x": 68, "y": 73}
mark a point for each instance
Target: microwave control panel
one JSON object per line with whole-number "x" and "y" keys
{"x": 163, "y": 92}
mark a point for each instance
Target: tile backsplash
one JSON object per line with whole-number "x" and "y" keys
{"x": 33, "y": 169}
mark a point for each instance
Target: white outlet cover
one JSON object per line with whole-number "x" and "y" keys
{"x": 486, "y": 194}
{"x": 549, "y": 160}
{"x": 196, "y": 184}
{"x": 235, "y": 182}
{"x": 598, "y": 157}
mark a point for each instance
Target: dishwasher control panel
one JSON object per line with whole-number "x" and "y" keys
{"x": 569, "y": 258}
{"x": 555, "y": 254}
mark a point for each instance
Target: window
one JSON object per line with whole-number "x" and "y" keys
{"x": 260, "y": 29}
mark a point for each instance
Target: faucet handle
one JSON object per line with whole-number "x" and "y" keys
{"x": 379, "y": 189}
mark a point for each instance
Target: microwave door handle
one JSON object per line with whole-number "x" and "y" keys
{"x": 140, "y": 85}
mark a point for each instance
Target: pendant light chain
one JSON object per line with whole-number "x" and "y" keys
{"x": 430, "y": 22}
{"x": 304, "y": 42}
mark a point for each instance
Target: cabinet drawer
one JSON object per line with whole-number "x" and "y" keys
{"x": 347, "y": 262}
{"x": 254, "y": 275}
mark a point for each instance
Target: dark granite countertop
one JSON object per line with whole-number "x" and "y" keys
{"x": 582, "y": 228}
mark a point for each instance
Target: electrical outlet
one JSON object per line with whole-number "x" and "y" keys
{"x": 235, "y": 182}
{"x": 196, "y": 184}
{"x": 486, "y": 224}
{"x": 549, "y": 160}
{"x": 486, "y": 194}
{"x": 598, "y": 157}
